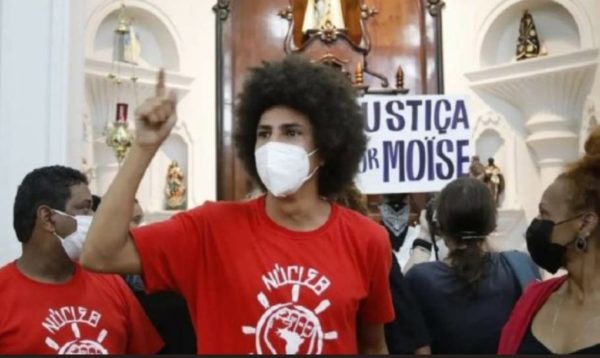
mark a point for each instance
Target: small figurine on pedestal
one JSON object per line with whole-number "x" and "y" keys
{"x": 494, "y": 180}
{"x": 175, "y": 190}
{"x": 128, "y": 46}
{"x": 528, "y": 44}
{"x": 323, "y": 14}
{"x": 132, "y": 46}
{"x": 476, "y": 170}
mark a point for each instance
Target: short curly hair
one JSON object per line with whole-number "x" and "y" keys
{"x": 321, "y": 93}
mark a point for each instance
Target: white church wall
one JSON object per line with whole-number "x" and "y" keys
{"x": 179, "y": 36}
{"x": 479, "y": 35}
{"x": 41, "y": 80}
{"x": 42, "y": 99}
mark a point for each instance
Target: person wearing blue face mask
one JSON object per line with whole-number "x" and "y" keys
{"x": 50, "y": 305}
{"x": 289, "y": 272}
{"x": 562, "y": 315}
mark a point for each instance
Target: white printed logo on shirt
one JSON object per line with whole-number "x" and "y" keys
{"x": 289, "y": 327}
{"x": 70, "y": 318}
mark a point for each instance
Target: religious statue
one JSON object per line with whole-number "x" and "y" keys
{"x": 128, "y": 46}
{"x": 528, "y": 44}
{"x": 175, "y": 190}
{"x": 132, "y": 46}
{"x": 476, "y": 170}
{"x": 323, "y": 14}
{"x": 494, "y": 180}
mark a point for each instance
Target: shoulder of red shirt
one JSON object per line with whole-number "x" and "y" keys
{"x": 362, "y": 222}
{"x": 224, "y": 210}
{"x": 217, "y": 208}
{"x": 6, "y": 272}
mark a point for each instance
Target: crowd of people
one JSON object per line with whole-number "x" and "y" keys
{"x": 299, "y": 268}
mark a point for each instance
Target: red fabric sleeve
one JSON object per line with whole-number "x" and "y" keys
{"x": 377, "y": 307}
{"x": 142, "y": 337}
{"x": 171, "y": 251}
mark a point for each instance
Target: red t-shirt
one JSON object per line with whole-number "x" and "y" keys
{"x": 90, "y": 314}
{"x": 253, "y": 286}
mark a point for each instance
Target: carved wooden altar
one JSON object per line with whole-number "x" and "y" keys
{"x": 384, "y": 46}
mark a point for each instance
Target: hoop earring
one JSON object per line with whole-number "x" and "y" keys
{"x": 581, "y": 244}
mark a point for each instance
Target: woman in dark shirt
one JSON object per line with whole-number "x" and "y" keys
{"x": 466, "y": 299}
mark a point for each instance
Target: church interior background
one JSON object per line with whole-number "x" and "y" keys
{"x": 64, "y": 98}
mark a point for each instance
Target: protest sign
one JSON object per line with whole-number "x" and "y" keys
{"x": 416, "y": 143}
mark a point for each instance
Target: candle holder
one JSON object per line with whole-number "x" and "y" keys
{"x": 119, "y": 137}
{"x": 126, "y": 51}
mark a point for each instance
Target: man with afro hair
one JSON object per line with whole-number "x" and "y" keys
{"x": 289, "y": 272}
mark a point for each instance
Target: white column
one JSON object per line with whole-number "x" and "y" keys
{"x": 41, "y": 96}
{"x": 554, "y": 140}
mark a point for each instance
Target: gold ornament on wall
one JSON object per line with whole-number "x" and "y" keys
{"x": 126, "y": 50}
{"x": 119, "y": 137}
{"x": 359, "y": 75}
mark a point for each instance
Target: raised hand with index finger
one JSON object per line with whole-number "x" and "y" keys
{"x": 155, "y": 118}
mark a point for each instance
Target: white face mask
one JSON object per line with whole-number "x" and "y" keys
{"x": 283, "y": 168}
{"x": 74, "y": 242}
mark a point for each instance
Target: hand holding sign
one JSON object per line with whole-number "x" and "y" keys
{"x": 156, "y": 116}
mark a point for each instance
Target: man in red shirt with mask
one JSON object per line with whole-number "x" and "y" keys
{"x": 289, "y": 272}
{"x": 50, "y": 305}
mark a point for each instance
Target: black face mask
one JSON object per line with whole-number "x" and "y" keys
{"x": 543, "y": 251}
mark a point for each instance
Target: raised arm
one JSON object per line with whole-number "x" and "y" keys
{"x": 108, "y": 246}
